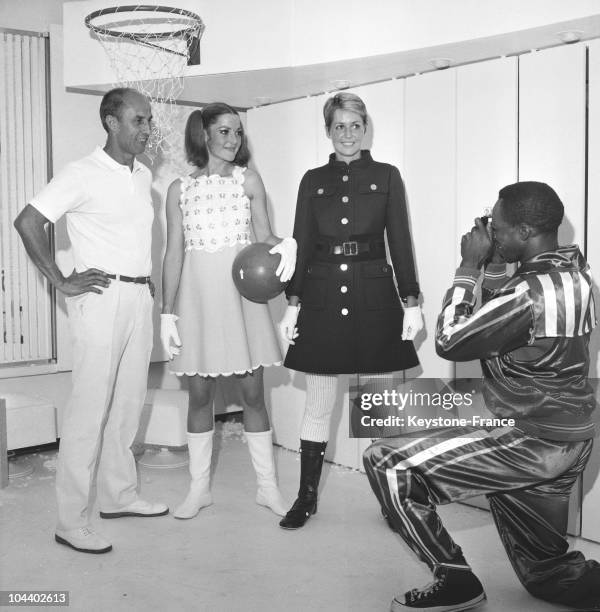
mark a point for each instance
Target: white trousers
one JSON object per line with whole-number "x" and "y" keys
{"x": 112, "y": 341}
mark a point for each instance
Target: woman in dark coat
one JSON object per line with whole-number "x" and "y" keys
{"x": 345, "y": 315}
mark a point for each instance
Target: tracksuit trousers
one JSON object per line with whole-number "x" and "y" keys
{"x": 527, "y": 481}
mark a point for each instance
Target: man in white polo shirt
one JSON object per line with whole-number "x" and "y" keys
{"x": 106, "y": 198}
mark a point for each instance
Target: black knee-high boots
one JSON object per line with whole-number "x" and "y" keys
{"x": 311, "y": 464}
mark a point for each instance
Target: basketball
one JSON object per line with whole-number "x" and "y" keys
{"x": 253, "y": 273}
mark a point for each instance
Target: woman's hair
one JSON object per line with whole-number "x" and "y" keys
{"x": 344, "y": 101}
{"x": 196, "y": 151}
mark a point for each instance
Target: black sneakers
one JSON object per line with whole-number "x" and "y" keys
{"x": 452, "y": 590}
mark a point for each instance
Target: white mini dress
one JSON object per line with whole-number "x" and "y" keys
{"x": 222, "y": 333}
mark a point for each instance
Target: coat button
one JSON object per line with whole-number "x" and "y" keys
{"x": 343, "y": 267}
{"x": 320, "y": 190}
{"x": 373, "y": 186}
{"x": 344, "y": 221}
{"x": 345, "y": 312}
{"x": 344, "y": 289}
{"x": 345, "y": 199}
{"x": 345, "y": 178}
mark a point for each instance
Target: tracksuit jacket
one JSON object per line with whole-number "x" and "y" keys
{"x": 531, "y": 335}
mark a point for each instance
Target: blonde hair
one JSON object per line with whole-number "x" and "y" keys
{"x": 344, "y": 101}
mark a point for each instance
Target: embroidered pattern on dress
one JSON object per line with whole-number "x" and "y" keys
{"x": 216, "y": 211}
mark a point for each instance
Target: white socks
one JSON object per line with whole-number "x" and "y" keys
{"x": 321, "y": 391}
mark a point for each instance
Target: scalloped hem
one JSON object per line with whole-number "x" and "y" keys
{"x": 240, "y": 372}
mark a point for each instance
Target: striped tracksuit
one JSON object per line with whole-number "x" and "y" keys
{"x": 531, "y": 335}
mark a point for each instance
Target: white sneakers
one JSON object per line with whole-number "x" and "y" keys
{"x": 83, "y": 539}
{"x": 139, "y": 507}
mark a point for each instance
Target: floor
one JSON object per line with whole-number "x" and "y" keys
{"x": 233, "y": 556}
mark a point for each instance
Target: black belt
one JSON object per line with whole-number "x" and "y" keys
{"x": 140, "y": 280}
{"x": 362, "y": 249}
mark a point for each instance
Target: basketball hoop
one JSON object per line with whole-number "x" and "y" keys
{"x": 149, "y": 48}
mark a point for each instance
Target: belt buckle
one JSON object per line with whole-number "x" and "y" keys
{"x": 350, "y": 248}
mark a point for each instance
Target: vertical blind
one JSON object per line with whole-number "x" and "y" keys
{"x": 25, "y": 297}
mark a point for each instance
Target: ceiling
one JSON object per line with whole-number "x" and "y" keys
{"x": 260, "y": 87}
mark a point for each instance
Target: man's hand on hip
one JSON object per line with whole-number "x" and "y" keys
{"x": 89, "y": 281}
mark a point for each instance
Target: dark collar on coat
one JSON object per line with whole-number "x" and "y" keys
{"x": 362, "y": 162}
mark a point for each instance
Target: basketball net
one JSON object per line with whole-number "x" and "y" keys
{"x": 154, "y": 67}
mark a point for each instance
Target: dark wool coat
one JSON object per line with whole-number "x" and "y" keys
{"x": 350, "y": 318}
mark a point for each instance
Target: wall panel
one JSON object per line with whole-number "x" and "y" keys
{"x": 552, "y": 92}
{"x": 552, "y": 129}
{"x": 591, "y": 483}
{"x": 486, "y": 146}
{"x": 430, "y": 178}
{"x": 453, "y": 134}
{"x": 283, "y": 140}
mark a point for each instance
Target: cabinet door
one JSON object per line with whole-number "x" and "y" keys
{"x": 552, "y": 129}
{"x": 486, "y": 154}
{"x": 590, "y": 527}
{"x": 283, "y": 142}
{"x": 430, "y": 176}
{"x": 486, "y": 146}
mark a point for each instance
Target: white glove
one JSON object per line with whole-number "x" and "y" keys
{"x": 287, "y": 249}
{"x": 413, "y": 322}
{"x": 287, "y": 327}
{"x": 169, "y": 334}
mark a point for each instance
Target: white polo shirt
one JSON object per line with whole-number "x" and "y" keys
{"x": 109, "y": 213}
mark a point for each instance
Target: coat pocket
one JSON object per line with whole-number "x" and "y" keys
{"x": 379, "y": 287}
{"x": 323, "y": 191}
{"x": 314, "y": 290}
{"x": 374, "y": 188}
